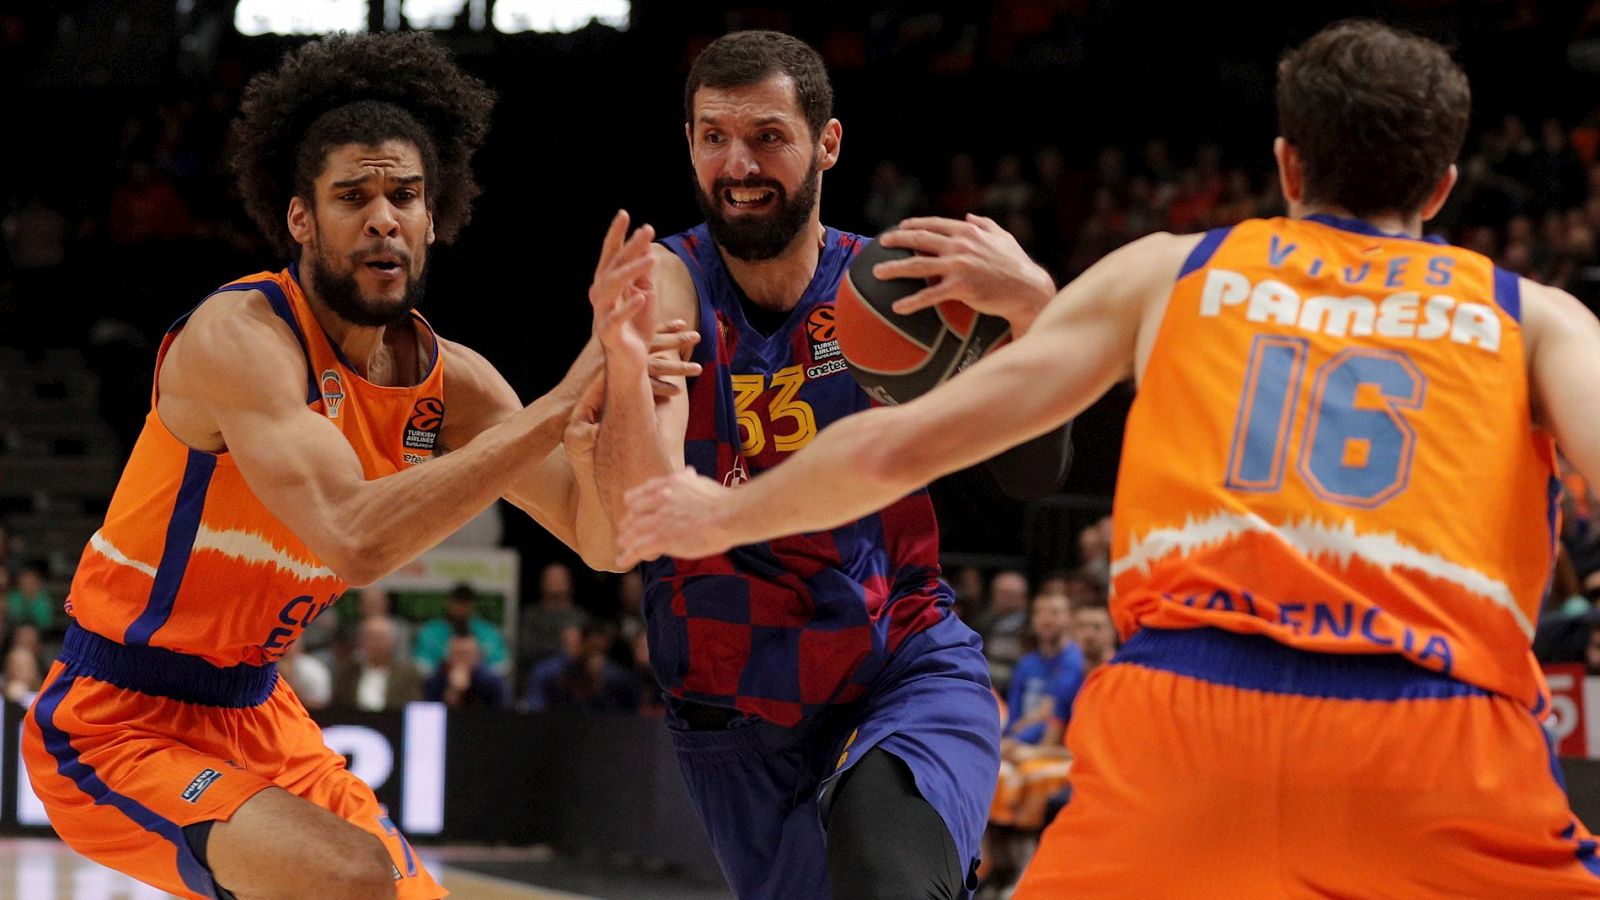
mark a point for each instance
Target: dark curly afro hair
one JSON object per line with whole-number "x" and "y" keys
{"x": 366, "y": 88}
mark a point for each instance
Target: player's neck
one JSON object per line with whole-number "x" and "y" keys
{"x": 1390, "y": 223}
{"x": 779, "y": 282}
{"x": 367, "y": 347}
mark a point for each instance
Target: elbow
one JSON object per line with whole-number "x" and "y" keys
{"x": 601, "y": 562}
{"x": 358, "y": 562}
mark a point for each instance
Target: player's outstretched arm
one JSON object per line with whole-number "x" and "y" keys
{"x": 976, "y": 262}
{"x": 1563, "y": 345}
{"x": 557, "y": 492}
{"x": 636, "y": 284}
{"x": 560, "y": 491}
{"x": 239, "y": 367}
{"x": 1084, "y": 342}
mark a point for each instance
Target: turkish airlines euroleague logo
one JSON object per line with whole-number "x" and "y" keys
{"x": 824, "y": 337}
{"x": 820, "y": 324}
{"x": 427, "y": 417}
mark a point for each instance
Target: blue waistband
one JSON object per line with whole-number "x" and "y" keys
{"x": 167, "y": 673}
{"x": 1259, "y": 663}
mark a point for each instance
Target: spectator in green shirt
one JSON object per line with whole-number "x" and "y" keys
{"x": 29, "y": 601}
{"x": 433, "y": 638}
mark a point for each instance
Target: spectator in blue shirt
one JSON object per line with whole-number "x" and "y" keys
{"x": 463, "y": 680}
{"x": 544, "y": 678}
{"x": 591, "y": 682}
{"x": 1049, "y": 672}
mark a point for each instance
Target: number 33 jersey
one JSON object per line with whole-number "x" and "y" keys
{"x": 781, "y": 629}
{"x": 1332, "y": 445}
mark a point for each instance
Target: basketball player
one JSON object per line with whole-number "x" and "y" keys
{"x": 832, "y": 719}
{"x": 281, "y": 462}
{"x": 1332, "y": 529}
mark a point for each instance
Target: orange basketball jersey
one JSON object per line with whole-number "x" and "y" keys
{"x": 189, "y": 560}
{"x": 1332, "y": 446}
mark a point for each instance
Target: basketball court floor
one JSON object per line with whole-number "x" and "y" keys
{"x": 45, "y": 869}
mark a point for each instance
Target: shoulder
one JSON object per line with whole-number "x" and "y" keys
{"x": 1164, "y": 249}
{"x": 675, "y": 288}
{"x": 233, "y": 343}
{"x": 463, "y": 361}
{"x": 470, "y": 370}
{"x": 1140, "y": 269}
{"x": 1130, "y": 285}
{"x": 1545, "y": 307}
{"x": 239, "y": 316}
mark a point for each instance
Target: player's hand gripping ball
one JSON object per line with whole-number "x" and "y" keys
{"x": 896, "y": 358}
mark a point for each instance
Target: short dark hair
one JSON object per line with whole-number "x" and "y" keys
{"x": 463, "y": 591}
{"x": 1378, "y": 115}
{"x": 1092, "y": 603}
{"x": 358, "y": 88}
{"x": 743, "y": 58}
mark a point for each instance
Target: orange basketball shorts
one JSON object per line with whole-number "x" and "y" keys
{"x": 1209, "y": 764}
{"x": 122, "y": 771}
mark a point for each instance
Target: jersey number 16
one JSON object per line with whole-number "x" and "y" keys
{"x": 1355, "y": 446}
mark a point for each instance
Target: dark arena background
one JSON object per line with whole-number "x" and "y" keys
{"x": 1078, "y": 125}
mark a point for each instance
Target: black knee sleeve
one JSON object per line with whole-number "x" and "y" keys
{"x": 197, "y": 836}
{"x": 885, "y": 841}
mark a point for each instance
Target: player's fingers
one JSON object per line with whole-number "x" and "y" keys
{"x": 635, "y": 248}
{"x": 615, "y": 233}
{"x": 923, "y": 299}
{"x": 920, "y": 240}
{"x": 614, "y": 319}
{"x": 673, "y": 325}
{"x": 637, "y": 552}
{"x": 938, "y": 224}
{"x": 636, "y": 537}
{"x": 627, "y": 254}
{"x": 661, "y": 389}
{"x": 639, "y": 241}
{"x": 670, "y": 366}
{"x": 620, "y": 277}
{"x": 638, "y": 497}
{"x": 673, "y": 340}
{"x": 912, "y": 267}
{"x": 984, "y": 222}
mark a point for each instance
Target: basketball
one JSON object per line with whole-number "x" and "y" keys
{"x": 896, "y": 357}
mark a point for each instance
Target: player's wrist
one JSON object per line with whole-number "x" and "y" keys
{"x": 1042, "y": 289}
{"x": 626, "y": 362}
{"x": 729, "y": 520}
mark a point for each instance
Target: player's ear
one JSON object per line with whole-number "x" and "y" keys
{"x": 688, "y": 135}
{"x": 829, "y": 142}
{"x": 301, "y": 221}
{"x": 1441, "y": 193}
{"x": 1290, "y": 176}
{"x": 430, "y": 228}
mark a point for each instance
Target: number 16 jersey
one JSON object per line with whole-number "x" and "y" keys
{"x": 1332, "y": 445}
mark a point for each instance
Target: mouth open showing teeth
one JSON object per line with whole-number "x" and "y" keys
{"x": 384, "y": 265}
{"x": 748, "y": 198}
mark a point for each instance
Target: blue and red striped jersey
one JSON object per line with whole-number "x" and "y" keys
{"x": 782, "y": 629}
